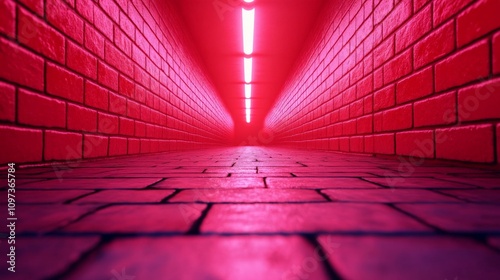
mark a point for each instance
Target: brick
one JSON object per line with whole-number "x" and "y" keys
{"x": 150, "y": 218}
{"x": 496, "y": 53}
{"x": 116, "y": 58}
{"x": 318, "y": 183}
{"x": 287, "y": 252}
{"x": 122, "y": 42}
{"x": 398, "y": 118}
{"x": 126, "y": 87}
{"x": 8, "y": 16}
{"x": 117, "y": 104}
{"x": 111, "y": 9}
{"x": 465, "y": 257}
{"x": 22, "y": 145}
{"x": 95, "y": 146}
{"x": 107, "y": 76}
{"x": 134, "y": 196}
{"x": 117, "y": 146}
{"x": 96, "y": 96}
{"x": 364, "y": 125}
{"x": 86, "y": 9}
{"x": 63, "y": 83}
{"x": 252, "y": 218}
{"x": 387, "y": 196}
{"x": 40, "y": 37}
{"x": 403, "y": 178}
{"x": 134, "y": 146}
{"x": 443, "y": 108}
{"x": 418, "y": 4}
{"x": 368, "y": 104}
{"x": 436, "y": 45}
{"x": 364, "y": 87}
{"x": 92, "y": 183}
{"x": 398, "y": 67}
{"x": 398, "y": 15}
{"x": 458, "y": 218}
{"x": 34, "y": 5}
{"x": 134, "y": 109}
{"x": 195, "y": 183}
{"x": 415, "y": 86}
{"x": 247, "y": 195}
{"x": 383, "y": 52}
{"x": 28, "y": 248}
{"x": 94, "y": 41}
{"x": 384, "y": 98}
{"x": 477, "y": 21}
{"x": 62, "y": 146}
{"x": 444, "y": 9}
{"x": 21, "y": 66}
{"x": 127, "y": 127}
{"x": 126, "y": 25}
{"x": 383, "y": 144}
{"x": 47, "y": 196}
{"x": 81, "y": 61}
{"x": 465, "y": 66}
{"x": 467, "y": 143}
{"x": 64, "y": 19}
{"x": 418, "y": 144}
{"x": 103, "y": 23}
{"x": 479, "y": 102}
{"x": 81, "y": 118}
{"x": 356, "y": 144}
{"x": 382, "y": 10}
{"x": 38, "y": 110}
{"x": 478, "y": 196}
{"x": 44, "y": 219}
{"x": 107, "y": 124}
{"x": 7, "y": 102}
{"x": 414, "y": 29}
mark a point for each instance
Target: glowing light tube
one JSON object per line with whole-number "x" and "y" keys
{"x": 248, "y": 91}
{"x": 248, "y": 30}
{"x": 248, "y": 115}
{"x": 248, "y": 70}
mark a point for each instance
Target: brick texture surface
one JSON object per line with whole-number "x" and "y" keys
{"x": 295, "y": 213}
{"x": 65, "y": 62}
{"x": 433, "y": 56}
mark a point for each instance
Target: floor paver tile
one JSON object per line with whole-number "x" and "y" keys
{"x": 388, "y": 196}
{"x": 307, "y": 218}
{"x": 357, "y": 257}
{"x": 196, "y": 257}
{"x": 140, "y": 219}
{"x": 247, "y": 195}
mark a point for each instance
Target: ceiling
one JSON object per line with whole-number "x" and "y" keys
{"x": 281, "y": 28}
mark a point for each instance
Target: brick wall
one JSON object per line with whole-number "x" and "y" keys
{"x": 417, "y": 78}
{"x": 88, "y": 78}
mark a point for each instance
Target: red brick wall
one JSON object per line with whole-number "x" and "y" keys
{"x": 87, "y": 78}
{"x": 411, "y": 77}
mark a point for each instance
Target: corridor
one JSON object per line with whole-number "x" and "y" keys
{"x": 258, "y": 213}
{"x": 249, "y": 139}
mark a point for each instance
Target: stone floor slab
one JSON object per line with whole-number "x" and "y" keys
{"x": 308, "y": 218}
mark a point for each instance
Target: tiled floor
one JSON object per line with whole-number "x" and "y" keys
{"x": 256, "y": 213}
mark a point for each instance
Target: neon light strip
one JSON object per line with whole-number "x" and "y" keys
{"x": 248, "y": 30}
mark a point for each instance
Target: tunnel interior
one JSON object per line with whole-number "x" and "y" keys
{"x": 247, "y": 139}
